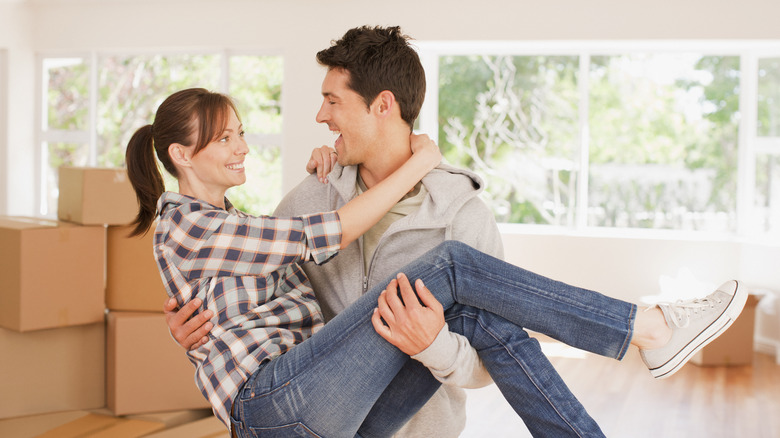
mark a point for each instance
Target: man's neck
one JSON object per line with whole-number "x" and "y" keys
{"x": 389, "y": 158}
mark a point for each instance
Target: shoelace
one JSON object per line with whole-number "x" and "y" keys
{"x": 680, "y": 312}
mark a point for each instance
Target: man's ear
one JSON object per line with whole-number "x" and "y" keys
{"x": 385, "y": 103}
{"x": 179, "y": 154}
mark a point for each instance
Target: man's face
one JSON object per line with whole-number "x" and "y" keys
{"x": 346, "y": 114}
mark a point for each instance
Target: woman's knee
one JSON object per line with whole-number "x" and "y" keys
{"x": 453, "y": 249}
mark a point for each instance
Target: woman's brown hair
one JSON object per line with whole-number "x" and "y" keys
{"x": 191, "y": 117}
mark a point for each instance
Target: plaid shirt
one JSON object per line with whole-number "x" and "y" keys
{"x": 244, "y": 269}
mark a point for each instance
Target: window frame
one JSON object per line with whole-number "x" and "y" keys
{"x": 90, "y": 137}
{"x": 3, "y": 129}
{"x": 748, "y": 145}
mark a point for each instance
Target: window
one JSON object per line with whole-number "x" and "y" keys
{"x": 624, "y": 135}
{"x": 91, "y": 105}
{"x": 767, "y": 170}
{"x": 663, "y": 141}
{"x": 514, "y": 120}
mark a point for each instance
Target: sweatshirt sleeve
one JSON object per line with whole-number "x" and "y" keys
{"x": 453, "y": 361}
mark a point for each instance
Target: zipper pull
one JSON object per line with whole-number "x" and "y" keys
{"x": 365, "y": 283}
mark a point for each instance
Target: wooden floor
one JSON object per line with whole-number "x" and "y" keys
{"x": 706, "y": 402}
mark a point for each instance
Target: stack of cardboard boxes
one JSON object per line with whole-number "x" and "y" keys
{"x": 86, "y": 349}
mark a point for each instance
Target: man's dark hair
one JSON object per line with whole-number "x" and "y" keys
{"x": 378, "y": 59}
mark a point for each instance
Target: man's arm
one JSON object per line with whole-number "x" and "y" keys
{"x": 187, "y": 331}
{"x": 410, "y": 324}
{"x": 449, "y": 356}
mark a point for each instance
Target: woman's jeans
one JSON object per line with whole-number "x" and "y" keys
{"x": 346, "y": 381}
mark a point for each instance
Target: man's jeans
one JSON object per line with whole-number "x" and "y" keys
{"x": 346, "y": 381}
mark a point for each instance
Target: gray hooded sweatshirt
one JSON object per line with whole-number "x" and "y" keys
{"x": 452, "y": 210}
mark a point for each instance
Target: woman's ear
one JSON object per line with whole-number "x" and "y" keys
{"x": 179, "y": 154}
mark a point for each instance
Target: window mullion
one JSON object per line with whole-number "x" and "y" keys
{"x": 93, "y": 111}
{"x": 583, "y": 82}
{"x": 746, "y": 163}
{"x": 41, "y": 121}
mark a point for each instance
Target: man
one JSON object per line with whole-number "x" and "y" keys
{"x": 372, "y": 94}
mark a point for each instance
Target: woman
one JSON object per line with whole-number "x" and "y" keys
{"x": 265, "y": 370}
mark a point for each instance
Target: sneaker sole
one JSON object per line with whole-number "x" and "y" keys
{"x": 708, "y": 335}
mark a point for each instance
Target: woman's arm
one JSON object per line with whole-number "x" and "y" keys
{"x": 363, "y": 212}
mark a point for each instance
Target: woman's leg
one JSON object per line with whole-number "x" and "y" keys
{"x": 581, "y": 318}
{"x": 330, "y": 382}
{"x": 501, "y": 300}
{"x": 411, "y": 381}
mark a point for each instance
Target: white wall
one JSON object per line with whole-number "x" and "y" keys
{"x": 628, "y": 268}
{"x": 16, "y": 128}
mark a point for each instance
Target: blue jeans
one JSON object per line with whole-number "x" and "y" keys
{"x": 346, "y": 381}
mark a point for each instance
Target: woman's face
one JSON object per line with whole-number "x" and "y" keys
{"x": 220, "y": 165}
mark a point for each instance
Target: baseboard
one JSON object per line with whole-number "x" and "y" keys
{"x": 767, "y": 346}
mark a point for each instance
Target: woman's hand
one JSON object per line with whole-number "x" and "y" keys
{"x": 322, "y": 161}
{"x": 424, "y": 148}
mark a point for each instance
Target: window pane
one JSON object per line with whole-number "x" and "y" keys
{"x": 514, "y": 120}
{"x": 663, "y": 141}
{"x": 132, "y": 87}
{"x": 768, "y": 193}
{"x": 256, "y": 85}
{"x": 263, "y": 187}
{"x": 769, "y": 97}
{"x": 66, "y": 85}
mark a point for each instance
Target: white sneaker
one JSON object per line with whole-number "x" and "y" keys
{"x": 694, "y": 323}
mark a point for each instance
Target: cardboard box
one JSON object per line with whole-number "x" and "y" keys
{"x": 146, "y": 370}
{"x": 54, "y": 370}
{"x": 53, "y": 274}
{"x": 96, "y": 196}
{"x": 133, "y": 281}
{"x": 102, "y": 426}
{"x": 735, "y": 345}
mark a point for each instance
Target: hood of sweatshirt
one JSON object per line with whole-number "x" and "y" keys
{"x": 449, "y": 188}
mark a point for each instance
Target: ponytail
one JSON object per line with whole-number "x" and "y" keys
{"x": 193, "y": 117}
{"x": 145, "y": 177}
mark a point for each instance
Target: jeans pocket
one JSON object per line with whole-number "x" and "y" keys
{"x": 287, "y": 431}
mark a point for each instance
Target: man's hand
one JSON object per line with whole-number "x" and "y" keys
{"x": 322, "y": 161}
{"x": 408, "y": 325}
{"x": 188, "y": 332}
